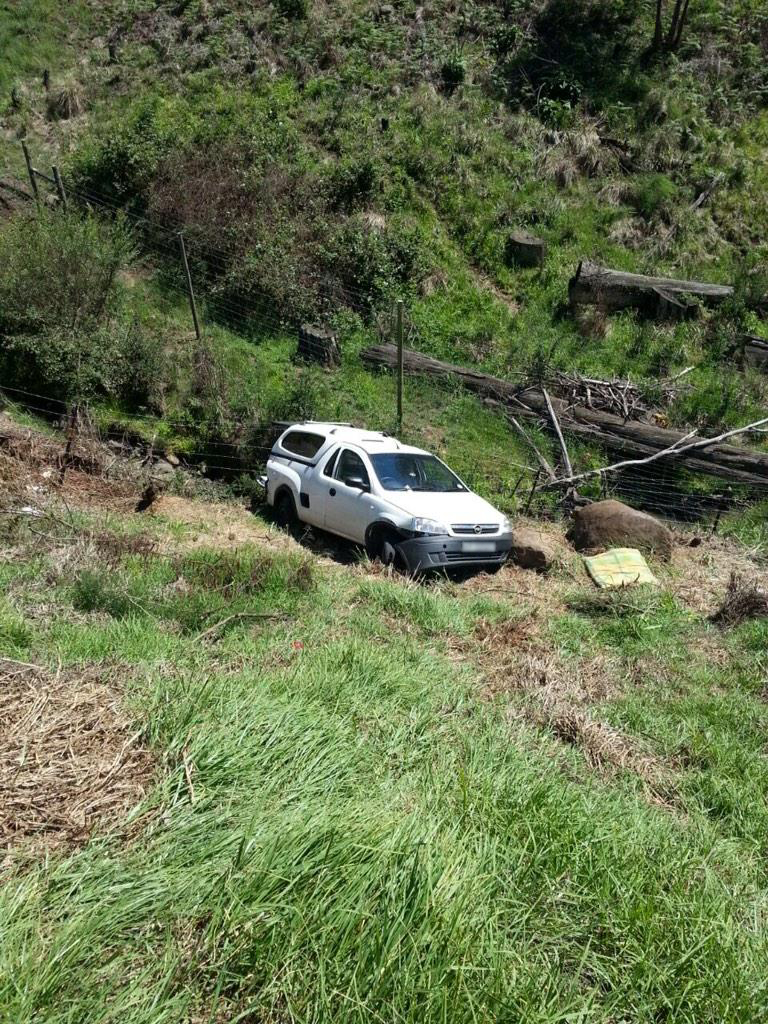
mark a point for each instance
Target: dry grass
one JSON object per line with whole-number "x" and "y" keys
{"x": 579, "y": 153}
{"x": 554, "y": 694}
{"x": 697, "y": 577}
{"x": 216, "y": 525}
{"x": 65, "y": 102}
{"x": 744, "y": 600}
{"x": 70, "y": 762}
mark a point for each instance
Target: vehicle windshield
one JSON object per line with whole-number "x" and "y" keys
{"x": 402, "y": 471}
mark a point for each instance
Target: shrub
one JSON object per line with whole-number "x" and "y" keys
{"x": 294, "y": 9}
{"x": 654, "y": 195}
{"x": 64, "y": 326}
{"x": 58, "y": 271}
{"x": 453, "y": 73}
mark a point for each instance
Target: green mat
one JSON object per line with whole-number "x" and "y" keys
{"x": 619, "y": 567}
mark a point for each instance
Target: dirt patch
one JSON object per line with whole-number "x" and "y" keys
{"x": 699, "y": 577}
{"x": 31, "y": 464}
{"x": 216, "y": 525}
{"x": 71, "y": 762}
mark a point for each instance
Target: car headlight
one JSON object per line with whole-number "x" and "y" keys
{"x": 428, "y": 526}
{"x": 506, "y": 526}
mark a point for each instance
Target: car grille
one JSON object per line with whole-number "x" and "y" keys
{"x": 485, "y": 556}
{"x": 474, "y": 529}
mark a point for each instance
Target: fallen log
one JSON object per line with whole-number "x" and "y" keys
{"x": 631, "y": 438}
{"x": 661, "y": 297}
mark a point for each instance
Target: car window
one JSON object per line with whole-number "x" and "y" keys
{"x": 330, "y": 464}
{"x": 350, "y": 464}
{"x": 300, "y": 442}
{"x": 407, "y": 471}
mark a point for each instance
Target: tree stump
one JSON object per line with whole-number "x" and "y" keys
{"x": 754, "y": 352}
{"x": 525, "y": 250}
{"x": 318, "y": 345}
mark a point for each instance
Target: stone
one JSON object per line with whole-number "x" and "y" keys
{"x": 531, "y": 550}
{"x": 162, "y": 469}
{"x": 607, "y": 524}
{"x": 525, "y": 250}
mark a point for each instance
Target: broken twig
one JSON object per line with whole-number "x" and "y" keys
{"x": 526, "y": 436}
{"x": 559, "y": 433}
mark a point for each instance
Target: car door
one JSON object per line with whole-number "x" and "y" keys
{"x": 317, "y": 485}
{"x": 348, "y": 508}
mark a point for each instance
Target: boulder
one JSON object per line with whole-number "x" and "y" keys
{"x": 162, "y": 469}
{"x": 531, "y": 550}
{"x": 607, "y": 524}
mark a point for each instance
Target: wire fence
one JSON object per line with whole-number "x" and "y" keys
{"x": 666, "y": 488}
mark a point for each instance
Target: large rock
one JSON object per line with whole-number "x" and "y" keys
{"x": 530, "y": 549}
{"x": 607, "y": 524}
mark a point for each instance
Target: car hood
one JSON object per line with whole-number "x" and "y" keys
{"x": 454, "y": 507}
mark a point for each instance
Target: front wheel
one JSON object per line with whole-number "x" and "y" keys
{"x": 285, "y": 510}
{"x": 382, "y": 545}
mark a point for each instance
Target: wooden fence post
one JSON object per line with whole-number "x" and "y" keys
{"x": 533, "y": 491}
{"x": 72, "y": 425}
{"x": 31, "y": 173}
{"x": 60, "y": 187}
{"x": 190, "y": 289}
{"x": 399, "y": 342}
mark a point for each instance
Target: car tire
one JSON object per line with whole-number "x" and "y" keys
{"x": 382, "y": 547}
{"x": 387, "y": 552}
{"x": 285, "y": 510}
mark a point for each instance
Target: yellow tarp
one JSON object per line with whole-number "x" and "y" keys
{"x": 619, "y": 567}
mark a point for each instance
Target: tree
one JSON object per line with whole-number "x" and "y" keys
{"x": 671, "y": 42}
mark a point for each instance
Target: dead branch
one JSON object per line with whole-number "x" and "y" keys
{"x": 678, "y": 448}
{"x": 559, "y": 433}
{"x": 526, "y": 436}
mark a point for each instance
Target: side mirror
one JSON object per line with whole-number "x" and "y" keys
{"x": 356, "y": 481}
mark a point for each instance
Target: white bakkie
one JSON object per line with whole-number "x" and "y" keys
{"x": 402, "y": 503}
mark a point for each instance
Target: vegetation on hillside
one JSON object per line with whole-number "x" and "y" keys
{"x": 366, "y": 799}
{"x": 324, "y": 159}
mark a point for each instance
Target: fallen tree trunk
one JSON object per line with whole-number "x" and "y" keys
{"x": 663, "y": 297}
{"x": 631, "y": 438}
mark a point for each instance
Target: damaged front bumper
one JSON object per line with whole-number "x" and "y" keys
{"x": 422, "y": 554}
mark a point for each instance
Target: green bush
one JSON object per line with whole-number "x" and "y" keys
{"x": 654, "y": 195}
{"x": 65, "y": 329}
{"x": 294, "y": 9}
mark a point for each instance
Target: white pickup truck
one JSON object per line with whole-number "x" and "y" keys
{"x": 403, "y": 504}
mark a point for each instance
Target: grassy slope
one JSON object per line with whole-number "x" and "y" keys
{"x": 372, "y": 836}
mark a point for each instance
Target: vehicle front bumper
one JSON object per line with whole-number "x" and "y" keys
{"x": 422, "y": 554}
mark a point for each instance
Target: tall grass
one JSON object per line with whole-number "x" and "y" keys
{"x": 363, "y": 839}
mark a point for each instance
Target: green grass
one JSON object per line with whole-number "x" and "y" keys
{"x": 37, "y": 35}
{"x": 369, "y": 839}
